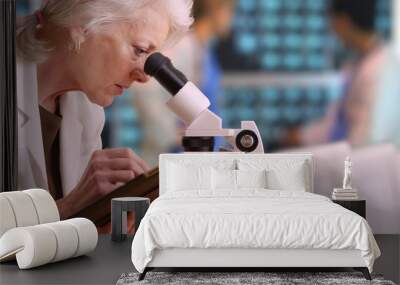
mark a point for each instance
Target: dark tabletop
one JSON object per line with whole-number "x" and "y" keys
{"x": 110, "y": 259}
{"x": 102, "y": 266}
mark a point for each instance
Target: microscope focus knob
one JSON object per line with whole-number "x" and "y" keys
{"x": 246, "y": 141}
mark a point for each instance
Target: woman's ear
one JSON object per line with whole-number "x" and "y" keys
{"x": 77, "y": 36}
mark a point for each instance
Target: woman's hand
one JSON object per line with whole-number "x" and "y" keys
{"x": 107, "y": 170}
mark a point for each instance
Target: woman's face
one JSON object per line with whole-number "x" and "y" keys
{"x": 111, "y": 60}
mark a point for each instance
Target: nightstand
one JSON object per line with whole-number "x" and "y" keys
{"x": 357, "y": 206}
{"x": 119, "y": 209}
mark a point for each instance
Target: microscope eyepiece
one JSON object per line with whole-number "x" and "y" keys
{"x": 154, "y": 63}
{"x": 161, "y": 68}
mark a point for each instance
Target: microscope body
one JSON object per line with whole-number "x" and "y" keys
{"x": 191, "y": 106}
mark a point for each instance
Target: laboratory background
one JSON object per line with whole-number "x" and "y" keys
{"x": 280, "y": 64}
{"x": 314, "y": 78}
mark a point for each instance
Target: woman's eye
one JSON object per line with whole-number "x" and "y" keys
{"x": 139, "y": 51}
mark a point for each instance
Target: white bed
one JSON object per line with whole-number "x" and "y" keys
{"x": 197, "y": 223}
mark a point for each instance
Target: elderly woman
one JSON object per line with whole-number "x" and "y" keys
{"x": 74, "y": 57}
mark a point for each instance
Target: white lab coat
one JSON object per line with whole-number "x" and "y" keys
{"x": 81, "y": 127}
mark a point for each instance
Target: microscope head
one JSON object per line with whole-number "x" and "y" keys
{"x": 191, "y": 106}
{"x": 160, "y": 67}
{"x": 187, "y": 101}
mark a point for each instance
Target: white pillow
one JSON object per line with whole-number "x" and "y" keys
{"x": 279, "y": 179}
{"x": 251, "y": 178}
{"x": 182, "y": 177}
{"x": 224, "y": 179}
{"x": 282, "y": 174}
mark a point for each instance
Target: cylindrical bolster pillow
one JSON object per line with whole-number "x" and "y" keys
{"x": 87, "y": 235}
{"x": 23, "y": 208}
{"x": 41, "y": 244}
{"x": 7, "y": 218}
{"x": 67, "y": 240}
{"x": 45, "y": 205}
{"x": 26, "y": 208}
{"x": 33, "y": 246}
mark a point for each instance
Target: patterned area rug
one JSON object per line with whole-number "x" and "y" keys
{"x": 268, "y": 278}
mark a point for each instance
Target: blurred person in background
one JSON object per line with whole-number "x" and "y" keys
{"x": 194, "y": 55}
{"x": 353, "y": 117}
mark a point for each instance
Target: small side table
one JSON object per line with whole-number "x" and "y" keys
{"x": 119, "y": 209}
{"x": 356, "y": 206}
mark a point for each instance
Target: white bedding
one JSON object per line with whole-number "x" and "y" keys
{"x": 251, "y": 218}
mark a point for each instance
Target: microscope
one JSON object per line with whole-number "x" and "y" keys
{"x": 191, "y": 106}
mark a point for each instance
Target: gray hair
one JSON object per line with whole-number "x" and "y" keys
{"x": 91, "y": 15}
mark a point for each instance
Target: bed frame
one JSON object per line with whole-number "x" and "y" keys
{"x": 256, "y": 260}
{"x": 237, "y": 259}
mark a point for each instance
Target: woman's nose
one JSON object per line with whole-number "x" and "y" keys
{"x": 139, "y": 76}
{"x": 143, "y": 78}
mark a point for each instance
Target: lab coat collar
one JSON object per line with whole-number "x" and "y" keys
{"x": 32, "y": 167}
{"x": 70, "y": 144}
